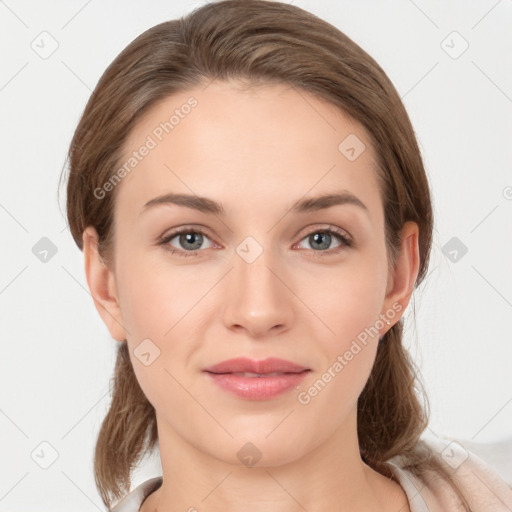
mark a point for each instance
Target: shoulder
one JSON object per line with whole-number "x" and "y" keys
{"x": 132, "y": 501}
{"x": 483, "y": 473}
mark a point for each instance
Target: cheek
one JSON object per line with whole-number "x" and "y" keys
{"x": 348, "y": 353}
{"x": 347, "y": 299}
{"x": 154, "y": 295}
{"x": 159, "y": 307}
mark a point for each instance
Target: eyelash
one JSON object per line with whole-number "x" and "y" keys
{"x": 344, "y": 241}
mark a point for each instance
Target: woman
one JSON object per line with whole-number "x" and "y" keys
{"x": 254, "y": 213}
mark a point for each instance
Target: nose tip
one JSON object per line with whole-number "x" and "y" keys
{"x": 257, "y": 301}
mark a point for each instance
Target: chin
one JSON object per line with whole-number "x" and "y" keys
{"x": 257, "y": 450}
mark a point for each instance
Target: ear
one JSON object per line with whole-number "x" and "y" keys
{"x": 102, "y": 285}
{"x": 402, "y": 278}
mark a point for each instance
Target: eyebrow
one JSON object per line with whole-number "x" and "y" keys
{"x": 206, "y": 205}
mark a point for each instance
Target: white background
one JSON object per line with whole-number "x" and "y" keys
{"x": 56, "y": 355}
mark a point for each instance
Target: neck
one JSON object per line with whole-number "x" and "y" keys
{"x": 330, "y": 477}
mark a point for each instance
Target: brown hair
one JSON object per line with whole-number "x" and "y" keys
{"x": 257, "y": 41}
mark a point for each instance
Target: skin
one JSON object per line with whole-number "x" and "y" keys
{"x": 256, "y": 150}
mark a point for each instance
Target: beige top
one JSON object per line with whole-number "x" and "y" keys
{"x": 487, "y": 490}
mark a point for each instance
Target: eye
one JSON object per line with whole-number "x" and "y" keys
{"x": 321, "y": 239}
{"x": 188, "y": 241}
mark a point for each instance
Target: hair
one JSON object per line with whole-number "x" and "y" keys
{"x": 257, "y": 42}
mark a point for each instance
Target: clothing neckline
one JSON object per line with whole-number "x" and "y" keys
{"x": 405, "y": 478}
{"x": 409, "y": 484}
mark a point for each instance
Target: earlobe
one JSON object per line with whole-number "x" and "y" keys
{"x": 101, "y": 282}
{"x": 405, "y": 271}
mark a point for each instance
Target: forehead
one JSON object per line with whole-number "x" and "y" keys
{"x": 247, "y": 145}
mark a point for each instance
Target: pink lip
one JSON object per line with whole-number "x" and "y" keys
{"x": 243, "y": 364}
{"x": 257, "y": 388}
{"x": 288, "y": 376}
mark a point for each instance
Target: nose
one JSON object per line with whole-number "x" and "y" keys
{"x": 258, "y": 298}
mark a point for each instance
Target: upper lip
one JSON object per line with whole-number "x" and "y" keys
{"x": 243, "y": 364}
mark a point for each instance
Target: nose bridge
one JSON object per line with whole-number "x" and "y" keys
{"x": 257, "y": 299}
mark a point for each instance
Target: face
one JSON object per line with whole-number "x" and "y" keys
{"x": 259, "y": 268}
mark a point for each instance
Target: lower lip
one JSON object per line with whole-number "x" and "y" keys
{"x": 257, "y": 388}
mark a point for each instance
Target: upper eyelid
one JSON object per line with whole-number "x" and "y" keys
{"x": 328, "y": 227}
